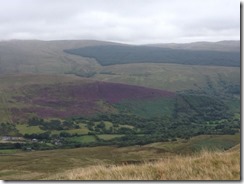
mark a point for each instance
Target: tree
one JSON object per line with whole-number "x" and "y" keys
{"x": 65, "y": 134}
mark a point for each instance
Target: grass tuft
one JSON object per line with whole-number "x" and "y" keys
{"x": 205, "y": 165}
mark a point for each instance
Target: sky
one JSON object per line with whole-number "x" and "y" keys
{"x": 125, "y": 21}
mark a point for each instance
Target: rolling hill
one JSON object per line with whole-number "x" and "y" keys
{"x": 48, "y": 57}
{"x": 34, "y": 56}
{"x": 224, "y": 46}
{"x": 43, "y": 70}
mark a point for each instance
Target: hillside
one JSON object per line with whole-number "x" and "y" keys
{"x": 122, "y": 54}
{"x": 202, "y": 166}
{"x": 78, "y": 99}
{"x": 60, "y": 163}
{"x": 173, "y": 77}
{"x": 34, "y": 56}
{"x": 123, "y": 104}
{"x": 85, "y": 97}
{"x": 83, "y": 112}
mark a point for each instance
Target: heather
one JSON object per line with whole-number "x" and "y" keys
{"x": 81, "y": 99}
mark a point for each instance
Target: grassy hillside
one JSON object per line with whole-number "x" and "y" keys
{"x": 203, "y": 166}
{"x": 173, "y": 77}
{"x": 57, "y": 164}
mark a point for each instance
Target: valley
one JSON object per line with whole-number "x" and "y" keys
{"x": 73, "y": 104}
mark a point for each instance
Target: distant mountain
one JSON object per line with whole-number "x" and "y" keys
{"x": 34, "y": 56}
{"x": 226, "y": 46}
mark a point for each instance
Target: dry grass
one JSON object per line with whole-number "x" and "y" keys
{"x": 203, "y": 166}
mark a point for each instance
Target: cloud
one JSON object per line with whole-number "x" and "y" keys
{"x": 137, "y": 21}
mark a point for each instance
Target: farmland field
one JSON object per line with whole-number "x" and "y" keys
{"x": 24, "y": 129}
{"x": 83, "y": 139}
{"x": 109, "y": 136}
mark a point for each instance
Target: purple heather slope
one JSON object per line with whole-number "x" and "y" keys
{"x": 81, "y": 99}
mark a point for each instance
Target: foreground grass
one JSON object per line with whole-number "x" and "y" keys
{"x": 205, "y": 165}
{"x": 56, "y": 164}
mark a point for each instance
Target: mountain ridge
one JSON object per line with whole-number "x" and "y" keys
{"x": 224, "y": 45}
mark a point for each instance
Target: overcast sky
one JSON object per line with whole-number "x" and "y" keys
{"x": 127, "y": 21}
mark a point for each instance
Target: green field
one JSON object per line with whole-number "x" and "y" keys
{"x": 82, "y": 139}
{"x": 9, "y": 151}
{"x": 107, "y": 124}
{"x": 109, "y": 136}
{"x": 126, "y": 126}
{"x": 80, "y": 131}
{"x": 25, "y": 129}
